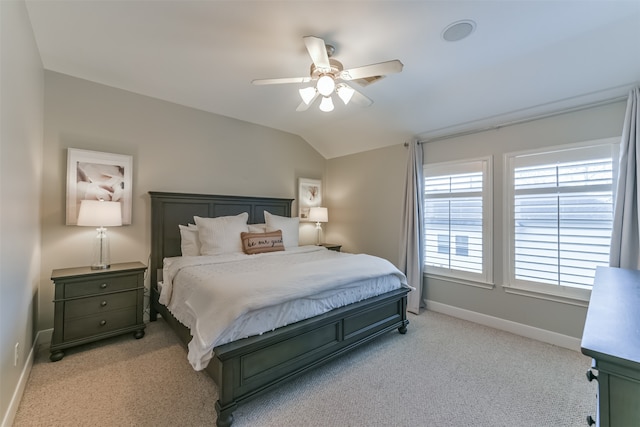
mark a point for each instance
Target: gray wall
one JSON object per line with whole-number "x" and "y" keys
{"x": 174, "y": 148}
{"x": 21, "y": 100}
{"x": 365, "y": 192}
{"x": 595, "y": 123}
{"x": 364, "y": 197}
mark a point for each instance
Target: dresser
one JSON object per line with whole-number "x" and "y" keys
{"x": 90, "y": 305}
{"x": 612, "y": 338}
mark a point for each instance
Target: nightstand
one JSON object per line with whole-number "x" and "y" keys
{"x": 331, "y": 246}
{"x": 90, "y": 305}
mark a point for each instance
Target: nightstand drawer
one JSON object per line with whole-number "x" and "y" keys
{"x": 98, "y": 324}
{"x": 100, "y": 286}
{"x": 100, "y": 304}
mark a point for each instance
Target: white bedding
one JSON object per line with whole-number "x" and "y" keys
{"x": 226, "y": 297}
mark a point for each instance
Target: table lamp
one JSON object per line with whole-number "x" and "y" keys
{"x": 101, "y": 214}
{"x": 319, "y": 215}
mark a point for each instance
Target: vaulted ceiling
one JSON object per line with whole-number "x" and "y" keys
{"x": 524, "y": 58}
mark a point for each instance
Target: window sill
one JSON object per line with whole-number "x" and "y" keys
{"x": 460, "y": 281}
{"x": 527, "y": 291}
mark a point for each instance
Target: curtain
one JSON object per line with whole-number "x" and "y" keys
{"x": 412, "y": 238}
{"x": 625, "y": 237}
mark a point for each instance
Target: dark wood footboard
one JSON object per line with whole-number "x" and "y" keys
{"x": 252, "y": 366}
{"x": 249, "y": 367}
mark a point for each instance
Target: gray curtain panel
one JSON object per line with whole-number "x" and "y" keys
{"x": 412, "y": 243}
{"x": 625, "y": 237}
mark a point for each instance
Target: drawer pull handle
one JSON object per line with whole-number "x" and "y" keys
{"x": 103, "y": 322}
{"x": 103, "y": 304}
{"x": 103, "y": 286}
{"x": 590, "y": 420}
{"x": 591, "y": 376}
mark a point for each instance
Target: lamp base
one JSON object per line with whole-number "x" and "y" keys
{"x": 101, "y": 258}
{"x": 318, "y": 231}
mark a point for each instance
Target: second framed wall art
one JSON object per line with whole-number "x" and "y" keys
{"x": 309, "y": 196}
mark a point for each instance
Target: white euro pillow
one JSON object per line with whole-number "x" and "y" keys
{"x": 221, "y": 235}
{"x": 290, "y": 228}
{"x": 189, "y": 241}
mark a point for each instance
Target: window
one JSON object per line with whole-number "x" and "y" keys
{"x": 560, "y": 214}
{"x": 457, "y": 219}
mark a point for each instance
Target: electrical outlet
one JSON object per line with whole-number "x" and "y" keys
{"x": 16, "y": 354}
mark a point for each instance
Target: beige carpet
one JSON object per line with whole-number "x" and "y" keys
{"x": 443, "y": 372}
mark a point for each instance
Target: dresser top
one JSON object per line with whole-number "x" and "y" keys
{"x": 612, "y": 328}
{"x": 87, "y": 271}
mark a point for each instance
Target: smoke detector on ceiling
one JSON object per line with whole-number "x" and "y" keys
{"x": 458, "y": 30}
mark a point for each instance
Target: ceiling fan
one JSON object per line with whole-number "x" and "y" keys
{"x": 330, "y": 77}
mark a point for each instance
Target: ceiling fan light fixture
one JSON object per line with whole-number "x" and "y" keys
{"x": 326, "y": 75}
{"x": 326, "y": 85}
{"x": 345, "y": 93}
{"x": 326, "y": 104}
{"x": 307, "y": 94}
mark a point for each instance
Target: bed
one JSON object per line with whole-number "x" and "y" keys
{"x": 249, "y": 367}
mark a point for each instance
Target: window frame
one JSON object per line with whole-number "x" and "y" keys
{"x": 480, "y": 164}
{"x": 559, "y": 293}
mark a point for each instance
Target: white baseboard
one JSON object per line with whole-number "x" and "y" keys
{"x": 565, "y": 341}
{"x": 42, "y": 337}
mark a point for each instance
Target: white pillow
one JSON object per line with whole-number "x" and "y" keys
{"x": 257, "y": 228}
{"x": 189, "y": 242}
{"x": 221, "y": 235}
{"x": 290, "y": 228}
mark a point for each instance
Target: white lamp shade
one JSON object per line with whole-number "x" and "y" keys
{"x": 318, "y": 214}
{"x": 307, "y": 94}
{"x": 326, "y": 104}
{"x": 99, "y": 213}
{"x": 345, "y": 93}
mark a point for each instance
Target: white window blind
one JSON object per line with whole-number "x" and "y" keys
{"x": 456, "y": 219}
{"x": 561, "y": 213}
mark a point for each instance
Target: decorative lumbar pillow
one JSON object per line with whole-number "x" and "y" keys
{"x": 257, "y": 228}
{"x": 290, "y": 228}
{"x": 189, "y": 242}
{"x": 220, "y": 235}
{"x": 257, "y": 243}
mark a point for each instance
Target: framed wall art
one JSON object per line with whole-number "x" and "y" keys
{"x": 309, "y": 195}
{"x": 94, "y": 175}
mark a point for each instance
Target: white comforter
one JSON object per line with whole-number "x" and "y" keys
{"x": 235, "y": 284}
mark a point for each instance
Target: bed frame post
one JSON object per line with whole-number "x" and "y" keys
{"x": 153, "y": 302}
{"x": 403, "y": 308}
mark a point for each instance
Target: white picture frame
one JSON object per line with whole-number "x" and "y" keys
{"x": 309, "y": 196}
{"x": 94, "y": 175}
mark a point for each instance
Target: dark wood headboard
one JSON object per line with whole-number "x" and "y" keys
{"x": 168, "y": 210}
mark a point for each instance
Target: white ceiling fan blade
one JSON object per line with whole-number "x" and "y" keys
{"x": 304, "y": 106}
{"x": 281, "y": 81}
{"x": 318, "y": 52}
{"x": 379, "y": 69}
{"x": 359, "y": 99}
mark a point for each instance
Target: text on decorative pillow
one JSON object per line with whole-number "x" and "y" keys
{"x": 257, "y": 243}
